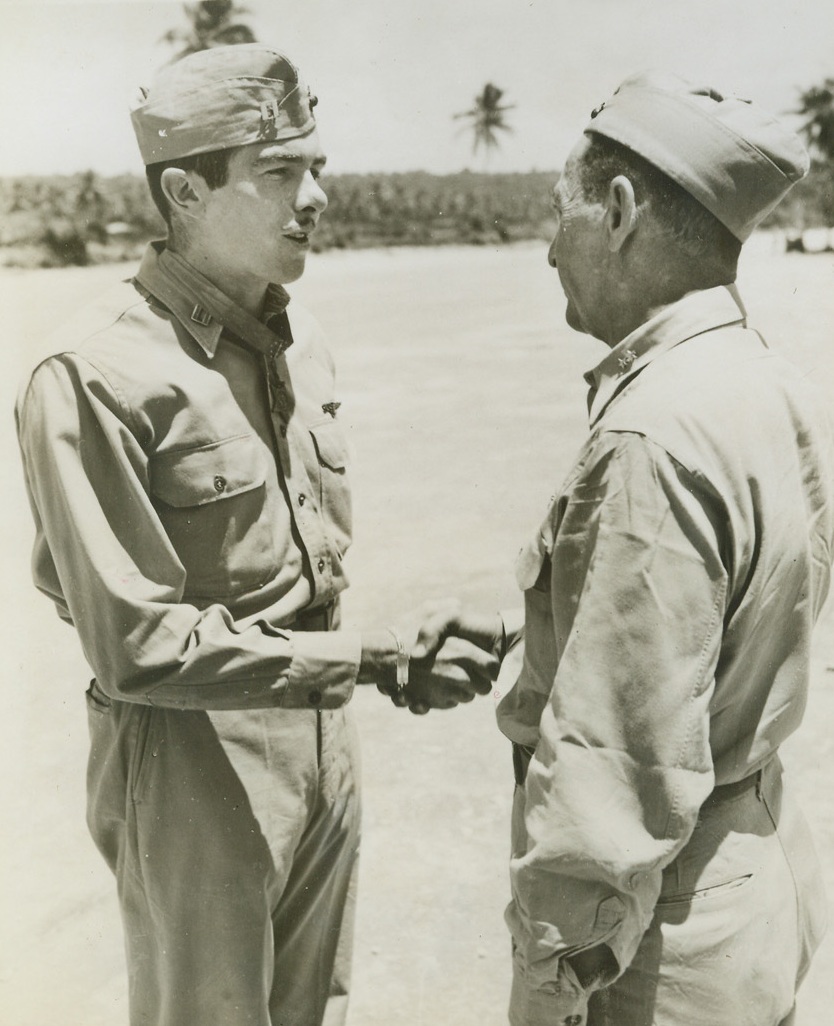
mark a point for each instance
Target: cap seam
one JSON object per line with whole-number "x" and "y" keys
{"x": 185, "y": 93}
{"x": 670, "y": 101}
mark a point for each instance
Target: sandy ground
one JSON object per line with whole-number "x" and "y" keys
{"x": 464, "y": 393}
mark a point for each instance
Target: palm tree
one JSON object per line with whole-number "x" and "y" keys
{"x": 211, "y": 23}
{"x": 817, "y": 106}
{"x": 486, "y": 118}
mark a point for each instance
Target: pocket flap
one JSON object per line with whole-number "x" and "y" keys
{"x": 331, "y": 445}
{"x": 193, "y": 477}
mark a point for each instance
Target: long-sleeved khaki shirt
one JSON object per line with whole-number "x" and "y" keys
{"x": 670, "y": 596}
{"x": 187, "y": 474}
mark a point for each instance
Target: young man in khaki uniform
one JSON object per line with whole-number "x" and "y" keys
{"x": 661, "y": 873}
{"x": 188, "y": 477}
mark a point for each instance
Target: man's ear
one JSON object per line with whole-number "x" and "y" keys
{"x": 621, "y": 212}
{"x": 180, "y": 191}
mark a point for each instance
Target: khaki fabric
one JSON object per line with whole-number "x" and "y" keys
{"x": 192, "y": 528}
{"x": 670, "y": 595}
{"x": 220, "y": 98}
{"x": 234, "y": 838}
{"x": 737, "y": 160}
{"x": 741, "y": 911}
{"x": 183, "y": 523}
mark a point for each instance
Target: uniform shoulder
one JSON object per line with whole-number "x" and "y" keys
{"x": 714, "y": 397}
{"x": 89, "y": 326}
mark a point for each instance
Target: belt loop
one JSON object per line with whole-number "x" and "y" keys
{"x": 759, "y": 782}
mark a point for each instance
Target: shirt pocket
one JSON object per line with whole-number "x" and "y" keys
{"x": 333, "y": 456}
{"x": 212, "y": 503}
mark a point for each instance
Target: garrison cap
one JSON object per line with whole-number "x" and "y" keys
{"x": 734, "y": 158}
{"x": 220, "y": 98}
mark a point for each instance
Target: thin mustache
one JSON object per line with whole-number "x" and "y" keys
{"x": 301, "y": 226}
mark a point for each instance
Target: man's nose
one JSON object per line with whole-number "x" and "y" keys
{"x": 311, "y": 195}
{"x": 551, "y": 253}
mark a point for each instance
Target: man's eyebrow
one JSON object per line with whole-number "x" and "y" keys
{"x": 287, "y": 157}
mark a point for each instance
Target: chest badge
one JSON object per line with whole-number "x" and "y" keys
{"x": 330, "y": 408}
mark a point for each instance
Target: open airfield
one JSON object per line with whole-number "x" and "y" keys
{"x": 463, "y": 391}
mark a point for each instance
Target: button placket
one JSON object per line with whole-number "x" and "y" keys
{"x": 307, "y": 517}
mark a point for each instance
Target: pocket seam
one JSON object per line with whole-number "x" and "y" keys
{"x": 193, "y": 489}
{"x": 705, "y": 893}
{"x": 139, "y": 758}
{"x": 330, "y": 445}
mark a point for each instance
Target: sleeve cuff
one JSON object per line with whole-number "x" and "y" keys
{"x": 323, "y": 670}
{"x": 560, "y": 1000}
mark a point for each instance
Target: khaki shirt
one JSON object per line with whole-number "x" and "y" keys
{"x": 190, "y": 500}
{"x": 670, "y": 595}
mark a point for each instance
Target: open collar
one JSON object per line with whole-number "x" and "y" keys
{"x": 696, "y": 313}
{"x": 202, "y": 308}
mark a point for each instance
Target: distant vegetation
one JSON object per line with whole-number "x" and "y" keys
{"x": 207, "y": 24}
{"x": 487, "y": 118}
{"x": 84, "y": 218}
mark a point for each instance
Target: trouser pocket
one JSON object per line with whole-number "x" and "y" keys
{"x": 116, "y": 767}
{"x": 800, "y": 854}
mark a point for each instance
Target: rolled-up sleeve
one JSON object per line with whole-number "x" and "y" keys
{"x": 102, "y": 554}
{"x": 635, "y": 605}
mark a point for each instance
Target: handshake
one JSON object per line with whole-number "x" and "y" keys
{"x": 446, "y": 654}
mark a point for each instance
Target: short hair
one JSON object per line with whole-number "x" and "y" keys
{"x": 698, "y": 233}
{"x": 212, "y": 166}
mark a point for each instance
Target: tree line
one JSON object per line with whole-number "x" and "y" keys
{"x": 84, "y": 218}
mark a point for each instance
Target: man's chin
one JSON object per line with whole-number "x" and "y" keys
{"x": 573, "y": 319}
{"x": 291, "y": 270}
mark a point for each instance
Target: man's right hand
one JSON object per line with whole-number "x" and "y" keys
{"x": 452, "y": 658}
{"x": 445, "y": 635}
{"x": 448, "y": 618}
{"x": 456, "y": 672}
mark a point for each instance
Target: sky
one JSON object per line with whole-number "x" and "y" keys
{"x": 390, "y": 74}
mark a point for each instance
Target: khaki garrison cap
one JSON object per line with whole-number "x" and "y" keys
{"x": 735, "y": 159}
{"x": 219, "y": 98}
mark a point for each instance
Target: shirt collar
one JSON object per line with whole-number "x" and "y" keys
{"x": 202, "y": 308}
{"x": 694, "y": 314}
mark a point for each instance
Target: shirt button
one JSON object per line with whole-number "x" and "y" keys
{"x": 314, "y": 696}
{"x": 301, "y": 499}
{"x": 219, "y": 483}
{"x": 320, "y": 565}
{"x": 283, "y": 430}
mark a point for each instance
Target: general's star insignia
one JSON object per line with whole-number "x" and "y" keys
{"x": 626, "y": 360}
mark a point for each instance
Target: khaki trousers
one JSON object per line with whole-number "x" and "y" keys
{"x": 234, "y": 839}
{"x": 740, "y": 913}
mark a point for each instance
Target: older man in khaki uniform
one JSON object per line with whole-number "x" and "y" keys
{"x": 188, "y": 476}
{"x": 661, "y": 873}
{"x": 658, "y": 865}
